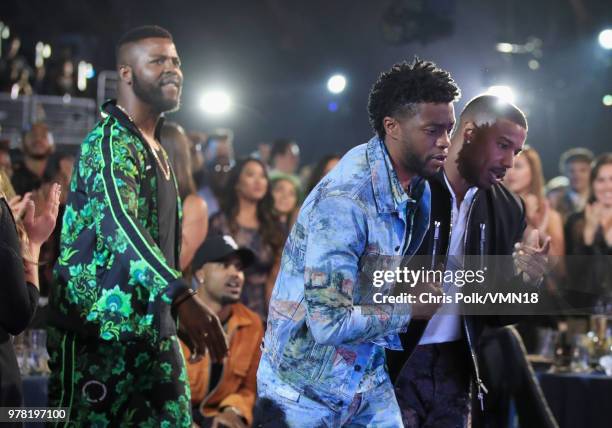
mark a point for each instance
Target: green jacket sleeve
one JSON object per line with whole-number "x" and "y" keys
{"x": 116, "y": 274}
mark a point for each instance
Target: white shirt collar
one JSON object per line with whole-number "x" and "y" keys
{"x": 469, "y": 195}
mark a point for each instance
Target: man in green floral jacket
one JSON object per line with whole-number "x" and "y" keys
{"x": 114, "y": 353}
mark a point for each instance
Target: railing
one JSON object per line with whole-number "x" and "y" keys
{"x": 68, "y": 118}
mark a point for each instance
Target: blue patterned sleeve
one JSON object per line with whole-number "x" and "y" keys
{"x": 337, "y": 235}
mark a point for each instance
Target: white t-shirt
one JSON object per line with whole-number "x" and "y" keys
{"x": 447, "y": 326}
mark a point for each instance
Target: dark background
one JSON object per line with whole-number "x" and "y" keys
{"x": 275, "y": 57}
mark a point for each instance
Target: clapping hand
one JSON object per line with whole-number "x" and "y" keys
{"x": 18, "y": 205}
{"x": 39, "y": 228}
{"x": 531, "y": 257}
{"x": 595, "y": 216}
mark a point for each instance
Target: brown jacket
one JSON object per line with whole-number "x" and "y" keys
{"x": 238, "y": 384}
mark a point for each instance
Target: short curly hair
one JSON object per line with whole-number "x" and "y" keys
{"x": 399, "y": 90}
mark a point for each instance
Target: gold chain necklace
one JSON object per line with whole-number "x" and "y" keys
{"x": 165, "y": 171}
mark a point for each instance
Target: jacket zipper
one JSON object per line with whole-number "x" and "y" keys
{"x": 210, "y": 393}
{"x": 408, "y": 230}
{"x": 482, "y": 389}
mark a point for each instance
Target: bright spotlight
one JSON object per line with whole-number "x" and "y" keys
{"x": 607, "y": 100}
{"x": 504, "y": 92}
{"x": 215, "y": 102}
{"x": 504, "y": 47}
{"x": 605, "y": 38}
{"x": 336, "y": 83}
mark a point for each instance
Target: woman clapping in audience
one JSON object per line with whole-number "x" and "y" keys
{"x": 526, "y": 179}
{"x": 589, "y": 233}
{"x": 19, "y": 251}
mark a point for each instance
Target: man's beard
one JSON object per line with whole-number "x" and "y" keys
{"x": 38, "y": 156}
{"x": 466, "y": 163}
{"x": 226, "y": 300}
{"x": 415, "y": 164}
{"x": 152, "y": 95}
{"x": 470, "y": 156}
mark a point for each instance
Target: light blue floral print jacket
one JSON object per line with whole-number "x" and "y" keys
{"x": 318, "y": 339}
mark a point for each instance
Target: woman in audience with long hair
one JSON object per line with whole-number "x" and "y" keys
{"x": 526, "y": 179}
{"x": 325, "y": 164}
{"x": 20, "y": 242}
{"x": 248, "y": 216}
{"x": 286, "y": 194}
{"x": 589, "y": 234}
{"x": 195, "y": 212}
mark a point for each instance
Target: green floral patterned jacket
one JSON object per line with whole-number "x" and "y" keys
{"x": 111, "y": 279}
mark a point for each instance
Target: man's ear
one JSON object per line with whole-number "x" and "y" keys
{"x": 391, "y": 126}
{"x": 199, "y": 275}
{"x": 469, "y": 132}
{"x": 125, "y": 73}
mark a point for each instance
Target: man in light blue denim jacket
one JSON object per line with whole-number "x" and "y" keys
{"x": 323, "y": 361}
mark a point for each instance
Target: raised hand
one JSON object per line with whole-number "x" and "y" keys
{"x": 593, "y": 214}
{"x": 40, "y": 227}
{"x": 531, "y": 257}
{"x": 18, "y": 205}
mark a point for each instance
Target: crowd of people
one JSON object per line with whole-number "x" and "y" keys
{"x": 236, "y": 214}
{"x": 21, "y": 76}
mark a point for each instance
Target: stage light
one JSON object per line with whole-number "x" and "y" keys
{"x": 84, "y": 71}
{"x": 607, "y": 100}
{"x": 332, "y": 106}
{"x": 504, "y": 47}
{"x": 336, "y": 84}
{"x": 5, "y": 32}
{"x": 215, "y": 102}
{"x": 504, "y": 92}
{"x": 605, "y": 38}
{"x": 43, "y": 51}
{"x": 533, "y": 64}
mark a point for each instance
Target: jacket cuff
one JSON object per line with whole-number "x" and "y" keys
{"x": 175, "y": 289}
{"x": 400, "y": 317}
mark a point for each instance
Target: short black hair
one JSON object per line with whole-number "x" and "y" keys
{"x": 404, "y": 85}
{"x": 141, "y": 33}
{"x": 280, "y": 147}
{"x": 494, "y": 107}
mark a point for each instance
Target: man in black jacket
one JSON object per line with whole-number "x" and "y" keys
{"x": 472, "y": 214}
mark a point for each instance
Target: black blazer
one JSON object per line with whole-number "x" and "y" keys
{"x": 503, "y": 214}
